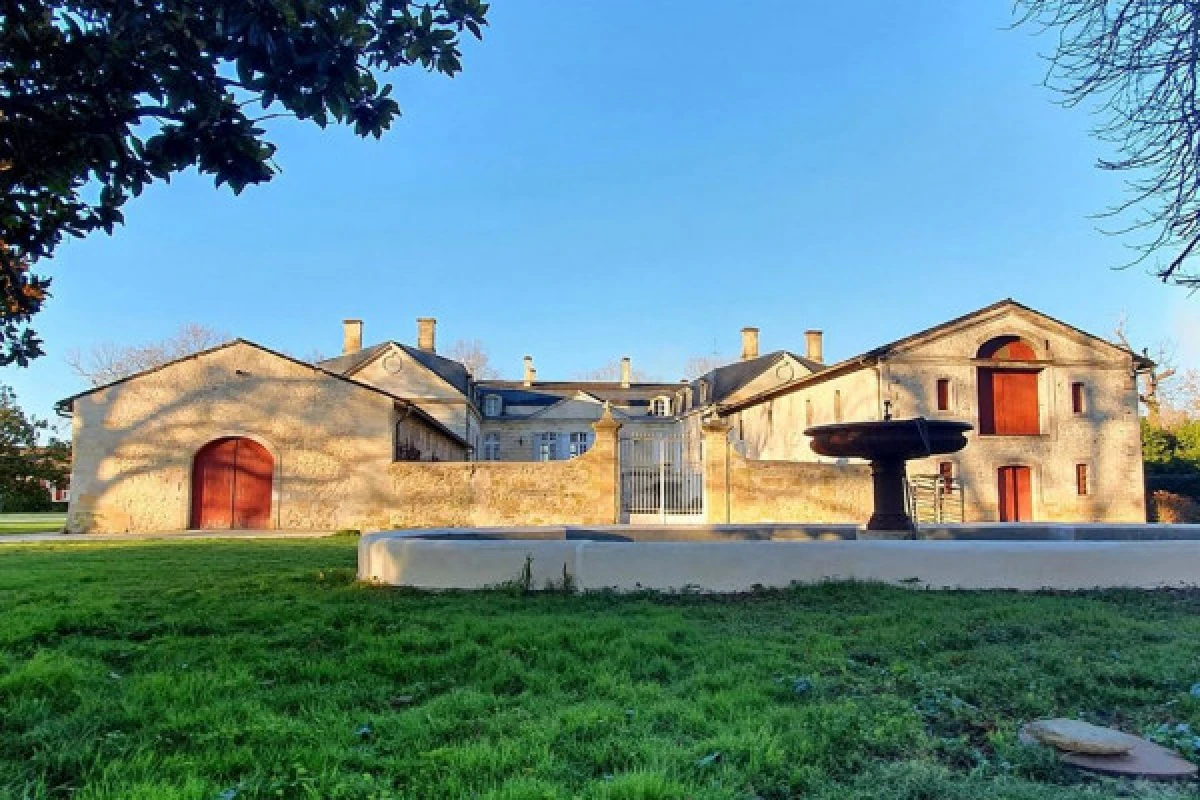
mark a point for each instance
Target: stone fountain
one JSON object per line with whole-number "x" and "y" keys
{"x": 888, "y": 444}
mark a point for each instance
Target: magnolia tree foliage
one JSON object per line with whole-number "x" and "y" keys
{"x": 101, "y": 98}
{"x": 29, "y": 459}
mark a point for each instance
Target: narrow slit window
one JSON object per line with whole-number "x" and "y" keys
{"x": 837, "y": 406}
{"x": 1081, "y": 479}
{"x": 943, "y": 394}
{"x": 808, "y": 412}
{"x": 1078, "y": 395}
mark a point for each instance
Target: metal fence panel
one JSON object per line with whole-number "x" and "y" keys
{"x": 662, "y": 478}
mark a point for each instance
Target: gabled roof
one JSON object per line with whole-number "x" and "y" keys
{"x": 346, "y": 364}
{"x": 66, "y": 403}
{"x": 520, "y": 397}
{"x": 883, "y": 351}
{"x": 724, "y": 381}
{"x": 449, "y": 370}
{"x": 1002, "y": 305}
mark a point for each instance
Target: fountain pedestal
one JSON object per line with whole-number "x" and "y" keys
{"x": 888, "y": 444}
{"x": 888, "y": 478}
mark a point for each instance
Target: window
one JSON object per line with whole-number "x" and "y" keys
{"x": 545, "y": 446}
{"x": 660, "y": 407}
{"x": 837, "y": 406}
{"x": 943, "y": 394}
{"x": 1077, "y": 398}
{"x": 579, "y": 444}
{"x": 946, "y": 473}
{"x": 1081, "y": 479}
{"x": 703, "y": 392}
{"x": 1007, "y": 348}
{"x": 406, "y": 448}
{"x": 491, "y": 447}
{"x": 492, "y": 405}
{"x": 808, "y": 413}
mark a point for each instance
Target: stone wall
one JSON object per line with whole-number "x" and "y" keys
{"x": 580, "y": 490}
{"x": 739, "y": 489}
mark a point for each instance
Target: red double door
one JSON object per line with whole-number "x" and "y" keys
{"x": 1016, "y": 499}
{"x": 232, "y": 480}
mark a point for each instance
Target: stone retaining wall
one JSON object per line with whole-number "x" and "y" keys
{"x": 394, "y": 559}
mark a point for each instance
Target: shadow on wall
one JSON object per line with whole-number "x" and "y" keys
{"x": 333, "y": 447}
{"x": 795, "y": 491}
{"x": 136, "y": 442}
{"x": 1051, "y": 457}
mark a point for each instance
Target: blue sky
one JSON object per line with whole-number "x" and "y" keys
{"x": 625, "y": 178}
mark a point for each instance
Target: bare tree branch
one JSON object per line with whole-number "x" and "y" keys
{"x": 472, "y": 355}
{"x": 107, "y": 362}
{"x": 1138, "y": 63}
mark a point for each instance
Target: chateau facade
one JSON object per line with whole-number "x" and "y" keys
{"x": 243, "y": 436}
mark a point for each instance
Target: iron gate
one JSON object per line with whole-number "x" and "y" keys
{"x": 662, "y": 478}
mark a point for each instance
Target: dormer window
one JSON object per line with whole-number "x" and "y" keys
{"x": 492, "y": 405}
{"x": 660, "y": 406}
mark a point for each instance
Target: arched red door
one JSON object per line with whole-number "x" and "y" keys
{"x": 231, "y": 485}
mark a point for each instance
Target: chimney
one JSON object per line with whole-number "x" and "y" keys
{"x": 530, "y": 372}
{"x": 351, "y": 336}
{"x": 749, "y": 343}
{"x": 427, "y": 334}
{"x": 814, "y": 347}
{"x": 626, "y": 372}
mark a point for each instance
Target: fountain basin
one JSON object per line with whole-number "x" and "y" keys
{"x": 887, "y": 444}
{"x": 904, "y": 439}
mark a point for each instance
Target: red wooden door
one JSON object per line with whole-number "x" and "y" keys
{"x": 1008, "y": 402}
{"x": 1016, "y": 499}
{"x": 231, "y": 485}
{"x": 252, "y": 486}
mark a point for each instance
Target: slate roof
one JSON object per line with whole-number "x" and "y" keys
{"x": 551, "y": 392}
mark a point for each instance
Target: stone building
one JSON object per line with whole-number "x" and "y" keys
{"x": 397, "y": 435}
{"x": 1057, "y": 435}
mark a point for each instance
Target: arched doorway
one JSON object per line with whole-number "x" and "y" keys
{"x": 232, "y": 481}
{"x": 1008, "y": 391}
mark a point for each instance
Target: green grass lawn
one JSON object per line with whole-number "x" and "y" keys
{"x": 259, "y": 669}
{"x": 31, "y": 523}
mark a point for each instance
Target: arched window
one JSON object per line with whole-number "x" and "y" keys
{"x": 492, "y": 405}
{"x": 1007, "y": 348}
{"x": 1008, "y": 395}
{"x": 660, "y": 406}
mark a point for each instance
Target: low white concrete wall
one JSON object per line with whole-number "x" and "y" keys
{"x": 402, "y": 560}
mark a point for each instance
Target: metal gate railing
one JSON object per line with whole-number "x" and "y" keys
{"x": 662, "y": 478}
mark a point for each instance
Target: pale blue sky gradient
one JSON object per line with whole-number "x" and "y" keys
{"x": 629, "y": 178}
